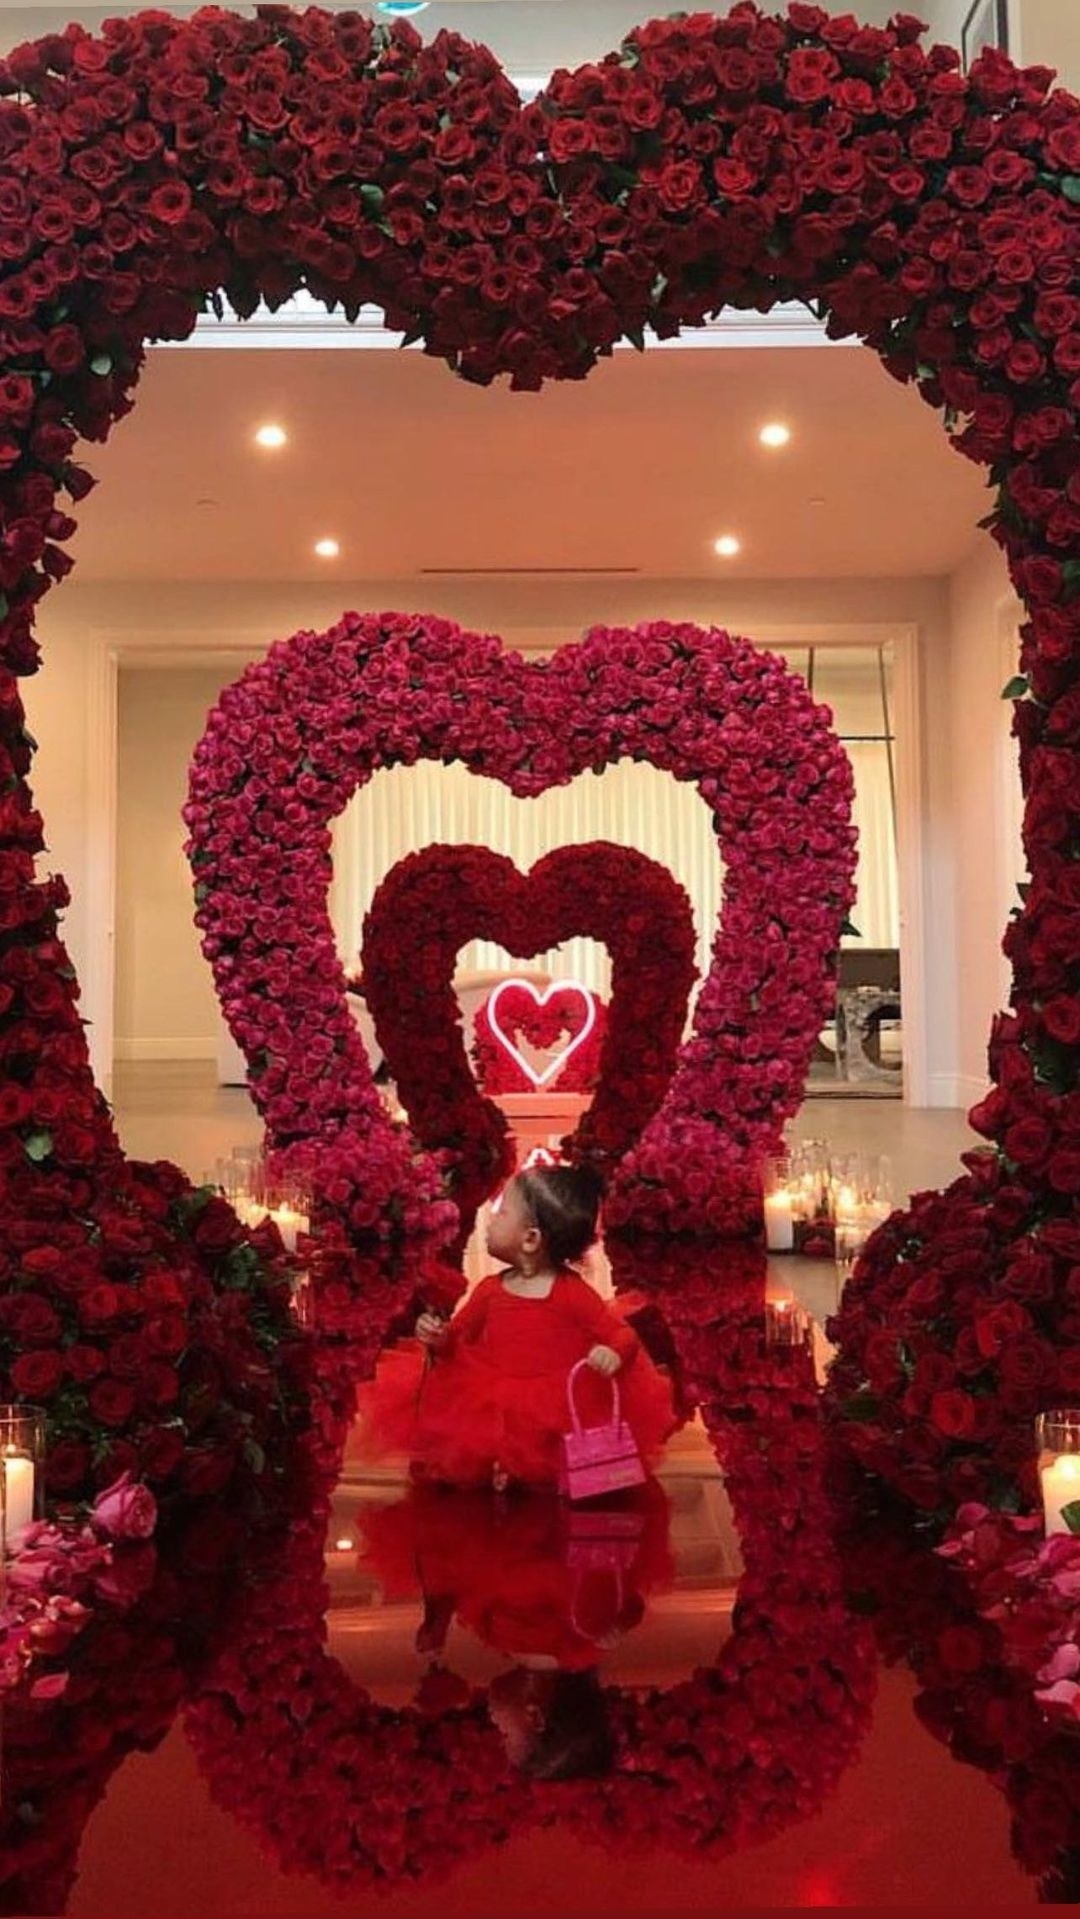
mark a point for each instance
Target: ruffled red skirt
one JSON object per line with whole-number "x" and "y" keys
{"x": 458, "y": 1418}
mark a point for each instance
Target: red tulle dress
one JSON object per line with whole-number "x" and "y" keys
{"x": 496, "y": 1394}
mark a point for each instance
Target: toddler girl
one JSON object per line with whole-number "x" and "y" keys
{"x": 493, "y": 1407}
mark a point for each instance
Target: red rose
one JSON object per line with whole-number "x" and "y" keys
{"x": 1061, "y": 1017}
{"x": 1025, "y": 362}
{"x": 1025, "y": 1362}
{"x": 35, "y": 1319}
{"x": 953, "y": 1413}
{"x": 1063, "y": 1171}
{"x": 160, "y": 1454}
{"x": 36, "y": 1376}
{"x": 65, "y": 351}
{"x": 1028, "y": 1141}
{"x": 969, "y": 186}
{"x": 217, "y": 1227}
{"x": 99, "y": 1305}
{"x": 679, "y": 185}
{"x": 998, "y": 1324}
{"x": 159, "y": 1385}
{"x": 810, "y": 74}
{"x": 733, "y": 177}
{"x": 67, "y": 1464}
{"x": 171, "y": 203}
{"x": 112, "y": 1401}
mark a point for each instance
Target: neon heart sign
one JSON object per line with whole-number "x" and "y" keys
{"x": 540, "y": 998}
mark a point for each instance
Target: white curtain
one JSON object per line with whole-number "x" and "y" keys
{"x": 407, "y": 808}
{"x": 876, "y": 912}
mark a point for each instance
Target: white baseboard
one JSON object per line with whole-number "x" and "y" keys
{"x": 959, "y": 1090}
{"x": 165, "y": 1048}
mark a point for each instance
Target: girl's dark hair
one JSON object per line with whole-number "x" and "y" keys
{"x": 565, "y": 1203}
{"x": 575, "y": 1740}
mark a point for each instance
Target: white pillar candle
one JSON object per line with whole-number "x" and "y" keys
{"x": 779, "y": 1230}
{"x": 19, "y": 1488}
{"x": 1060, "y": 1488}
{"x": 290, "y": 1225}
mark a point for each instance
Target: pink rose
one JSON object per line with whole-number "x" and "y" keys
{"x": 126, "y": 1510}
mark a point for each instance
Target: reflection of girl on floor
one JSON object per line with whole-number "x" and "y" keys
{"x": 552, "y": 1590}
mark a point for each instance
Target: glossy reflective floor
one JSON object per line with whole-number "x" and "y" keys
{"x": 738, "y": 1688}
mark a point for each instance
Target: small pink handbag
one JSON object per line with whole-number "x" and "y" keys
{"x": 598, "y": 1459}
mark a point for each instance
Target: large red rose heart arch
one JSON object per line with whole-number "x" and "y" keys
{"x": 293, "y": 738}
{"x": 739, "y": 160}
{"x": 433, "y": 902}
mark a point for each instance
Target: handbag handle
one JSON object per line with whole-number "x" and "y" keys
{"x": 581, "y": 1366}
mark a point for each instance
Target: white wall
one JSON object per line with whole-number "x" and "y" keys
{"x": 985, "y": 804}
{"x": 69, "y": 706}
{"x": 165, "y": 1002}
{"x": 1049, "y": 36}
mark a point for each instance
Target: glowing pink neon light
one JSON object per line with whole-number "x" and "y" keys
{"x": 541, "y": 998}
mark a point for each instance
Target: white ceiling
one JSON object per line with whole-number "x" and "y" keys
{"x": 636, "y": 470}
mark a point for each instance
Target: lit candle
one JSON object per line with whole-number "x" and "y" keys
{"x": 290, "y": 1224}
{"x": 248, "y": 1211}
{"x": 19, "y": 1487}
{"x": 785, "y": 1325}
{"x": 779, "y": 1230}
{"x": 1060, "y": 1488}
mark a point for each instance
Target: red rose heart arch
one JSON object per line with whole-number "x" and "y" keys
{"x": 432, "y": 903}
{"x": 739, "y": 160}
{"x": 291, "y": 740}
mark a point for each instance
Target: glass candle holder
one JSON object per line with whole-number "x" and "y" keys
{"x": 22, "y": 1450}
{"x": 779, "y": 1223}
{"x": 288, "y": 1207}
{"x": 1057, "y": 1437}
{"x": 786, "y": 1324}
{"x": 811, "y": 1198}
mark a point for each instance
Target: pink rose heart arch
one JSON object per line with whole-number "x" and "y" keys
{"x": 292, "y": 739}
{"x": 433, "y": 902}
{"x": 737, "y": 160}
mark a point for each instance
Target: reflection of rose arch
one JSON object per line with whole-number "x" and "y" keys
{"x": 344, "y": 1788}
{"x": 736, "y": 161}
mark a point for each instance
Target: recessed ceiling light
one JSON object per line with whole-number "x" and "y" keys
{"x": 327, "y": 549}
{"x": 271, "y": 436}
{"x": 727, "y": 546}
{"x": 343, "y": 1545}
{"x": 775, "y": 433}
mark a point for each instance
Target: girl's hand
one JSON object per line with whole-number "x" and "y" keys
{"x": 432, "y": 1331}
{"x": 603, "y": 1359}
